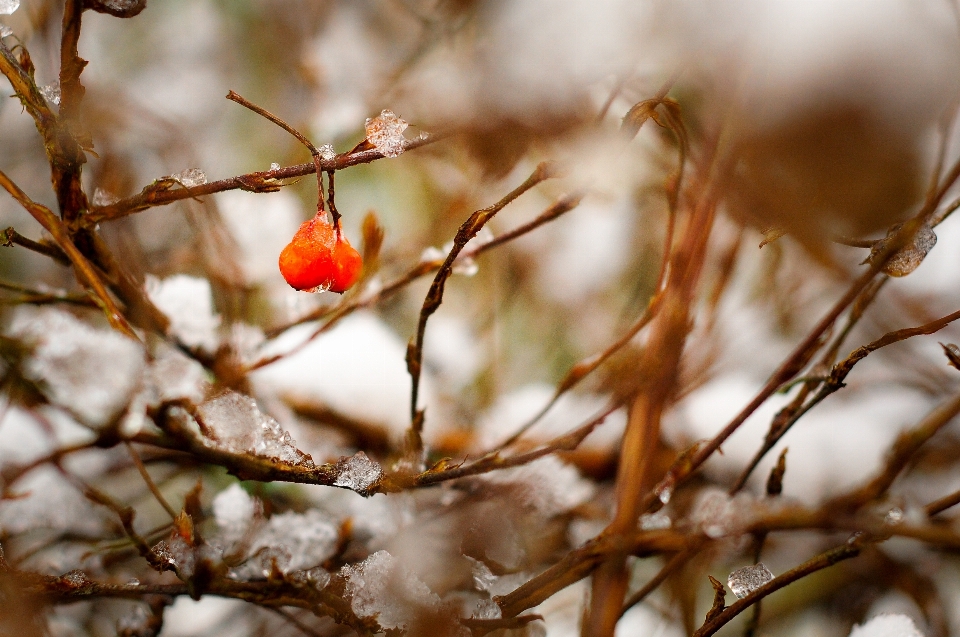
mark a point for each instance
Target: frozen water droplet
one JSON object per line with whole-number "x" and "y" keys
{"x": 908, "y": 258}
{"x": 744, "y": 581}
{"x": 655, "y": 521}
{"x": 274, "y": 166}
{"x": 327, "y": 152}
{"x": 9, "y": 6}
{"x": 5, "y": 31}
{"x": 664, "y": 490}
{"x": 51, "y": 92}
{"x": 190, "y": 177}
{"x": 75, "y": 579}
{"x": 386, "y": 133}
{"x": 432, "y": 254}
{"x": 133, "y": 581}
{"x": 358, "y": 473}
{"x": 466, "y": 267}
{"x": 103, "y": 198}
{"x": 893, "y": 516}
{"x": 487, "y": 609}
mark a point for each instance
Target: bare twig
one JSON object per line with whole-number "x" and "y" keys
{"x": 467, "y": 231}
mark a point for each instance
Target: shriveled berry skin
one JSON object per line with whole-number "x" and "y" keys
{"x": 317, "y": 259}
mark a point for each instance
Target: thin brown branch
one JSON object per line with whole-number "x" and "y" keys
{"x": 161, "y": 193}
{"x": 84, "y": 269}
{"x": 11, "y": 237}
{"x": 467, "y": 231}
{"x": 138, "y": 462}
{"x": 818, "y": 563}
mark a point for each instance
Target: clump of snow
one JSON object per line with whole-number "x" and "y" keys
{"x": 24, "y": 439}
{"x": 92, "y": 373}
{"x": 50, "y": 502}
{"x": 356, "y": 369}
{"x": 547, "y": 485}
{"x": 290, "y": 542}
{"x": 235, "y": 423}
{"x": 892, "y": 625}
{"x": 188, "y": 303}
{"x": 357, "y": 473}
{"x": 385, "y": 132}
{"x": 744, "y": 581}
{"x": 513, "y": 410}
{"x": 380, "y": 587}
{"x": 174, "y": 376}
{"x": 655, "y": 521}
{"x": 234, "y": 510}
{"x": 261, "y": 225}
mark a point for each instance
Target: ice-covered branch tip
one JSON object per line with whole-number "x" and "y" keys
{"x": 385, "y": 133}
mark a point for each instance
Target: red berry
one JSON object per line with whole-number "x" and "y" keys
{"x": 317, "y": 259}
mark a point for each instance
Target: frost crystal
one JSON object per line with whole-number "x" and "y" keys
{"x": 8, "y": 6}
{"x": 236, "y": 423}
{"x": 51, "y": 93}
{"x": 744, "y": 581}
{"x": 274, "y": 166}
{"x": 908, "y": 258}
{"x": 103, "y": 198}
{"x": 887, "y": 625}
{"x": 386, "y": 133}
{"x": 5, "y": 31}
{"x": 91, "y": 373}
{"x": 380, "y": 587}
{"x": 75, "y": 579}
{"x": 190, "y": 177}
{"x": 327, "y": 152}
{"x": 487, "y": 609}
{"x": 358, "y": 473}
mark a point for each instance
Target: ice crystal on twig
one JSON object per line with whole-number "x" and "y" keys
{"x": 380, "y": 587}
{"x": 51, "y": 93}
{"x": 103, "y": 198}
{"x": 9, "y": 6}
{"x": 658, "y": 521}
{"x": 5, "y": 31}
{"x": 235, "y": 422}
{"x": 358, "y": 473}
{"x": 385, "y": 132}
{"x": 327, "y": 152}
{"x": 744, "y": 581}
{"x": 190, "y": 177}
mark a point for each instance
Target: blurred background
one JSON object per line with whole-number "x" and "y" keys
{"x": 837, "y": 112}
